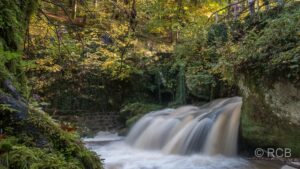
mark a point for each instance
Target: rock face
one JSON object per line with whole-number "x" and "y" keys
{"x": 270, "y": 114}
{"x": 284, "y": 100}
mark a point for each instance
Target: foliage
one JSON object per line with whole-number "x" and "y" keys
{"x": 21, "y": 157}
{"x": 172, "y": 55}
{"x": 274, "y": 50}
{"x": 33, "y": 141}
{"x": 96, "y": 65}
{"x": 62, "y": 149}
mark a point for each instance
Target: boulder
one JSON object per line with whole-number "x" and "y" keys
{"x": 270, "y": 114}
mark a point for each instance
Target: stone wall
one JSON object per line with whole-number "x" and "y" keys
{"x": 90, "y": 123}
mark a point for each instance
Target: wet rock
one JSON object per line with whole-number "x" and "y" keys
{"x": 8, "y": 85}
{"x": 20, "y": 107}
{"x": 270, "y": 114}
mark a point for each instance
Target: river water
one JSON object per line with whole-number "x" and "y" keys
{"x": 188, "y": 137}
{"x": 117, "y": 154}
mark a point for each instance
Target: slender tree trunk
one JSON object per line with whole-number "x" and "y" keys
{"x": 171, "y": 35}
{"x": 158, "y": 87}
{"x": 95, "y": 3}
{"x": 257, "y": 5}
{"x": 216, "y": 18}
{"x": 243, "y": 5}
{"x": 267, "y": 4}
{"x": 236, "y": 10}
{"x": 74, "y": 9}
{"x": 229, "y": 9}
{"x": 251, "y": 7}
{"x": 133, "y": 14}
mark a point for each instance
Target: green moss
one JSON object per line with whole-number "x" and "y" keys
{"x": 60, "y": 150}
{"x": 14, "y": 17}
{"x": 130, "y": 113}
{"x": 20, "y": 156}
{"x": 260, "y": 135}
{"x": 10, "y": 68}
{"x": 130, "y": 122}
{"x": 66, "y": 143}
{"x": 261, "y": 127}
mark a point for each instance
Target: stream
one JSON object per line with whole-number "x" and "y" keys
{"x": 188, "y": 137}
{"x": 119, "y": 155}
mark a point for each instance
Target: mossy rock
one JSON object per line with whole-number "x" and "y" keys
{"x": 265, "y": 124}
{"x": 37, "y": 142}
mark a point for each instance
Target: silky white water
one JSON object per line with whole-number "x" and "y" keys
{"x": 119, "y": 155}
{"x": 188, "y": 137}
{"x": 210, "y": 129}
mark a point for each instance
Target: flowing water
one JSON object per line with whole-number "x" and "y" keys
{"x": 211, "y": 129}
{"x": 188, "y": 137}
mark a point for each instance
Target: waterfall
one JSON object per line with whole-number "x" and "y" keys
{"x": 209, "y": 129}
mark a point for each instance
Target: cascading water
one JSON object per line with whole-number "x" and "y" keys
{"x": 210, "y": 129}
{"x": 159, "y": 140}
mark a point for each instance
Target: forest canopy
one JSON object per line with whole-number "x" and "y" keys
{"x": 103, "y": 54}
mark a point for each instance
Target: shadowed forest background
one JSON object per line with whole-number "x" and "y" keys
{"x": 124, "y": 58}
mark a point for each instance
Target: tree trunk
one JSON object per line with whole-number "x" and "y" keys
{"x": 251, "y": 7}
{"x": 95, "y": 3}
{"x": 257, "y": 5}
{"x": 267, "y": 4}
{"x": 74, "y": 9}
{"x": 229, "y": 9}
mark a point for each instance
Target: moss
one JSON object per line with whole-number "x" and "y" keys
{"x": 261, "y": 127}
{"x": 21, "y": 156}
{"x": 66, "y": 143}
{"x": 130, "y": 113}
{"x": 11, "y": 68}
{"x": 14, "y": 17}
{"x": 256, "y": 134}
{"x": 38, "y": 143}
{"x": 133, "y": 119}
